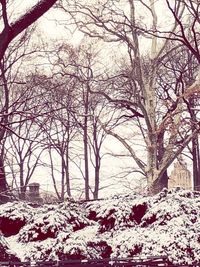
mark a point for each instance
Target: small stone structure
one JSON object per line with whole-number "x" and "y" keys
{"x": 180, "y": 176}
{"x": 34, "y": 192}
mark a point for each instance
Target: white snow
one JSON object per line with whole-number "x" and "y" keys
{"x": 166, "y": 224}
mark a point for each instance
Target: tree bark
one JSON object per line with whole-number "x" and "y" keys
{"x": 195, "y": 152}
{"x": 67, "y": 175}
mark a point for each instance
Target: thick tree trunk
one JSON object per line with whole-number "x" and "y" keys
{"x": 196, "y": 163}
{"x": 195, "y": 147}
{"x": 160, "y": 183}
{"x": 159, "y": 180}
{"x": 163, "y": 180}
{"x": 22, "y": 193}
{"x": 152, "y": 145}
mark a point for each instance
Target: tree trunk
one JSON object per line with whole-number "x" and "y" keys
{"x": 85, "y": 143}
{"x": 152, "y": 145}
{"x": 160, "y": 183}
{"x": 163, "y": 179}
{"x": 97, "y": 178}
{"x": 68, "y": 185}
{"x": 3, "y": 185}
{"x": 52, "y": 174}
{"x": 62, "y": 192}
{"x": 86, "y": 161}
{"x": 97, "y": 162}
{"x": 159, "y": 180}
{"x": 22, "y": 193}
{"x": 21, "y": 174}
{"x": 195, "y": 147}
{"x": 196, "y": 163}
{"x": 4, "y": 120}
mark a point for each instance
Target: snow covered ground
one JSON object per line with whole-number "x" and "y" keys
{"x": 167, "y": 224}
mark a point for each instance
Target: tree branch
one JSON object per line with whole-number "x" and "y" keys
{"x": 11, "y": 31}
{"x": 140, "y": 164}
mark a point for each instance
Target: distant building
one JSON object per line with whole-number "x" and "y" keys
{"x": 34, "y": 192}
{"x": 180, "y": 176}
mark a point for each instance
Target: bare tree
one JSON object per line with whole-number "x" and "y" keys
{"x": 109, "y": 21}
{"x": 60, "y": 132}
{"x": 10, "y": 78}
{"x": 96, "y": 140}
{"x": 58, "y": 126}
{"x": 25, "y": 152}
{"x": 74, "y": 68}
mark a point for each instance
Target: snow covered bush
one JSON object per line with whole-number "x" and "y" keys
{"x": 5, "y": 253}
{"x": 43, "y": 226}
{"x": 114, "y": 214}
{"x": 40, "y": 251}
{"x": 82, "y": 244}
{"x": 127, "y": 243}
{"x": 13, "y": 216}
{"x": 172, "y": 205}
{"x": 76, "y": 215}
{"x": 167, "y": 224}
{"x": 49, "y": 221}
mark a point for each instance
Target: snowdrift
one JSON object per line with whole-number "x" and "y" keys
{"x": 167, "y": 224}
